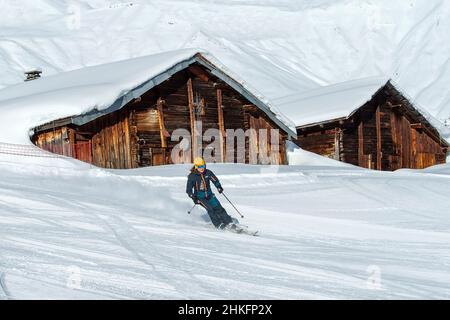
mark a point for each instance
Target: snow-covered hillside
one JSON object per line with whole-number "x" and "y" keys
{"x": 280, "y": 47}
{"x": 71, "y": 231}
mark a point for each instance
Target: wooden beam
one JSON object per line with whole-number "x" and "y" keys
{"x": 129, "y": 162}
{"x": 361, "y": 145}
{"x": 414, "y": 162}
{"x": 199, "y": 72}
{"x": 137, "y": 100}
{"x": 337, "y": 144}
{"x": 417, "y": 125}
{"x": 84, "y": 133}
{"x": 192, "y": 118}
{"x": 378, "y": 124}
{"x": 162, "y": 128}
{"x": 221, "y": 124}
{"x": 393, "y": 106}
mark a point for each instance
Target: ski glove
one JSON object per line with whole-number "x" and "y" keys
{"x": 195, "y": 199}
{"x": 220, "y": 189}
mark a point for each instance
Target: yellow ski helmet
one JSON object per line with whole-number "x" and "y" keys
{"x": 199, "y": 162}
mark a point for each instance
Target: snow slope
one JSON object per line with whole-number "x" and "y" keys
{"x": 279, "y": 47}
{"x": 71, "y": 231}
{"x": 68, "y": 230}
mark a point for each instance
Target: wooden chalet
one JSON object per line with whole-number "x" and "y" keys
{"x": 382, "y": 131}
{"x": 135, "y": 130}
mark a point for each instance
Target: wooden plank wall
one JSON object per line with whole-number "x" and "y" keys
{"x": 139, "y": 134}
{"x": 235, "y": 118}
{"x": 177, "y": 113}
{"x": 391, "y": 143}
{"x": 59, "y": 141}
{"x": 255, "y": 152}
{"x": 176, "y": 109}
{"x": 110, "y": 140}
{"x": 205, "y": 97}
{"x": 377, "y": 137}
{"x": 321, "y": 142}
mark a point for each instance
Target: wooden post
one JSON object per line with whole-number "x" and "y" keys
{"x": 133, "y": 140}
{"x": 221, "y": 125}
{"x": 378, "y": 124}
{"x": 115, "y": 142}
{"x": 337, "y": 144}
{"x": 413, "y": 162}
{"x": 71, "y": 141}
{"x": 361, "y": 145}
{"x": 192, "y": 117}
{"x": 162, "y": 128}
{"x": 90, "y": 151}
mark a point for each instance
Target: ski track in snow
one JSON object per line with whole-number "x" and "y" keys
{"x": 4, "y": 291}
{"x": 129, "y": 233}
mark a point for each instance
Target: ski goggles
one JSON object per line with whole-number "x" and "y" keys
{"x": 202, "y": 167}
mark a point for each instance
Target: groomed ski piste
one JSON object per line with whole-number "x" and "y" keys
{"x": 71, "y": 231}
{"x": 329, "y": 230}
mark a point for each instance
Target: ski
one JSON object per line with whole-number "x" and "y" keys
{"x": 240, "y": 230}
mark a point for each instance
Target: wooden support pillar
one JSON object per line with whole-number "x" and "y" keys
{"x": 192, "y": 118}
{"x": 72, "y": 142}
{"x": 378, "y": 124}
{"x": 129, "y": 163}
{"x": 221, "y": 125}
{"x": 337, "y": 144}
{"x": 133, "y": 140}
{"x": 361, "y": 159}
{"x": 414, "y": 163}
{"x": 162, "y": 128}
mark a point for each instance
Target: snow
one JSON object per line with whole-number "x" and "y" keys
{"x": 76, "y": 92}
{"x": 69, "y": 231}
{"x": 279, "y": 47}
{"x": 297, "y": 156}
{"x": 328, "y": 230}
{"x": 71, "y": 93}
{"x": 341, "y": 100}
{"x": 329, "y": 102}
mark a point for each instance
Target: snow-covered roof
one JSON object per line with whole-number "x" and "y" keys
{"x": 329, "y": 102}
{"x": 105, "y": 88}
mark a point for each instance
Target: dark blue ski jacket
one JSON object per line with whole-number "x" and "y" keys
{"x": 199, "y": 185}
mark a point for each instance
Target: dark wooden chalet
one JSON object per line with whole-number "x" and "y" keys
{"x": 385, "y": 133}
{"x": 135, "y": 131}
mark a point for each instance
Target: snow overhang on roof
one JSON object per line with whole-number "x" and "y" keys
{"x": 329, "y": 103}
{"x": 340, "y": 101}
{"x": 156, "y": 69}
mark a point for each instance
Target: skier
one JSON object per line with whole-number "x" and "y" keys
{"x": 198, "y": 188}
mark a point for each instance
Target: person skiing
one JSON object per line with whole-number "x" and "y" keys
{"x": 198, "y": 188}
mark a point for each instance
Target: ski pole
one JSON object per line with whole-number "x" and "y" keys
{"x": 189, "y": 212}
{"x": 232, "y": 205}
